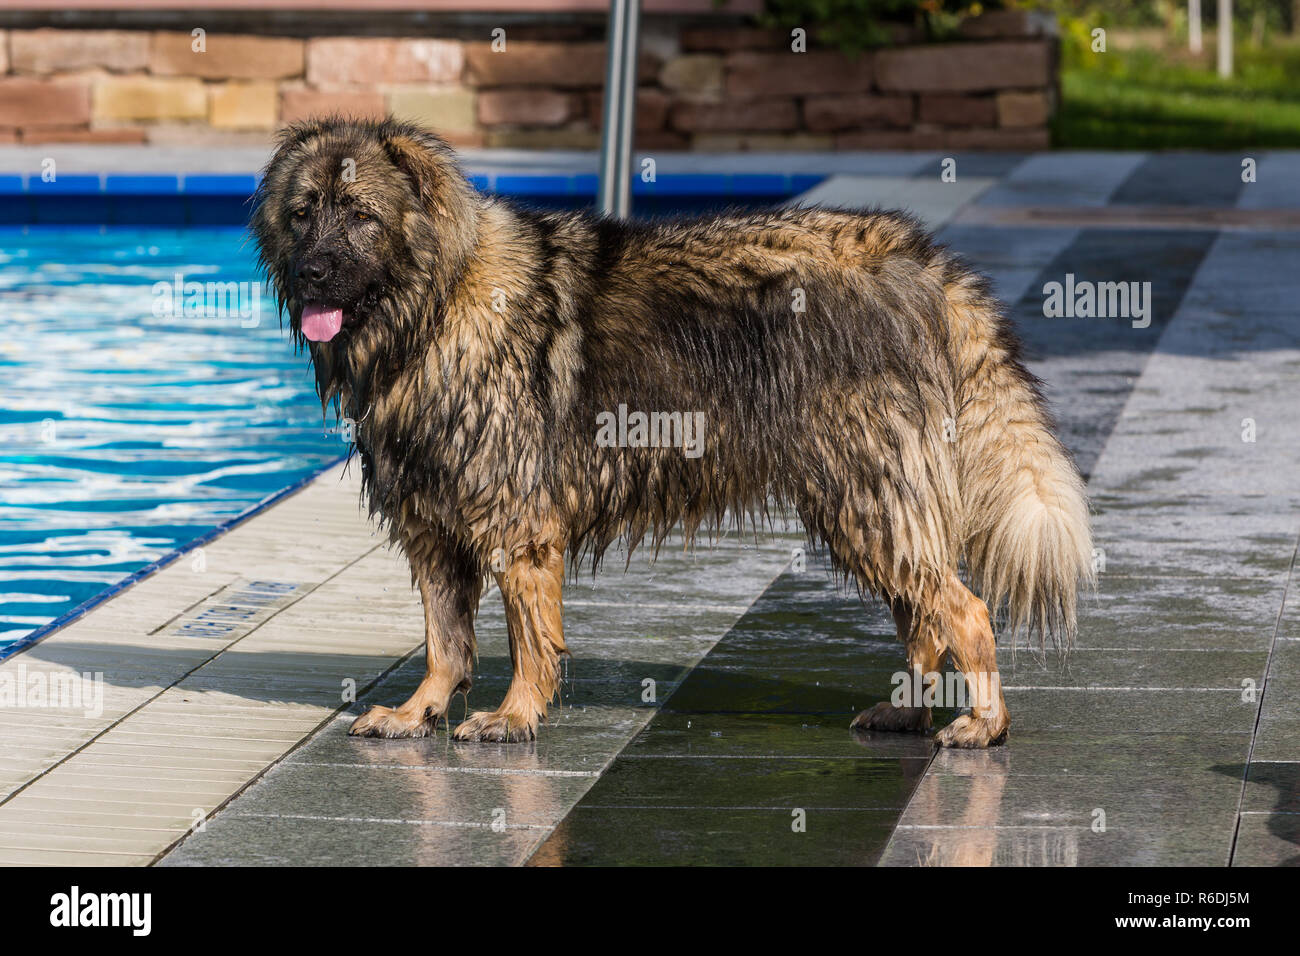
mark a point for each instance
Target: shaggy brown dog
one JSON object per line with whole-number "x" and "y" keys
{"x": 839, "y": 364}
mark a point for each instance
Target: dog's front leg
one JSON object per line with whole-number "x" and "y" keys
{"x": 450, "y": 585}
{"x": 530, "y": 585}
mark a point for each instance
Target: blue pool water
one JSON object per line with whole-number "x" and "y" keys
{"x": 127, "y": 430}
{"x": 127, "y": 433}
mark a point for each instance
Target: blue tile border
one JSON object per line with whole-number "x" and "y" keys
{"x": 117, "y": 184}
{"x": 240, "y": 184}
{"x": 68, "y": 185}
{"x": 214, "y": 199}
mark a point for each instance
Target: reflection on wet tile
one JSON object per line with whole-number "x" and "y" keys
{"x": 413, "y": 795}
{"x": 717, "y": 837}
{"x": 755, "y": 736}
{"x": 233, "y": 840}
{"x": 775, "y": 782}
{"x": 1062, "y": 798}
{"x": 1070, "y": 799}
{"x": 1071, "y": 752}
{"x": 1158, "y": 842}
{"x": 751, "y": 760}
{"x": 586, "y": 743}
{"x": 436, "y": 801}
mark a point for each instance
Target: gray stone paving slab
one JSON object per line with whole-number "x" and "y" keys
{"x": 651, "y": 623}
{"x": 979, "y": 164}
{"x": 931, "y": 201}
{"x": 1278, "y": 737}
{"x": 1182, "y": 179}
{"x": 1212, "y": 670}
{"x": 1147, "y": 722}
{"x": 1154, "y": 709}
{"x": 718, "y": 836}
{"x": 1064, "y": 179}
{"x": 1090, "y": 365}
{"x": 418, "y": 794}
{"x": 289, "y": 841}
{"x": 757, "y": 736}
{"x": 1185, "y": 546}
{"x": 1209, "y": 613}
{"x": 1038, "y": 803}
{"x": 1277, "y": 183}
{"x": 1269, "y": 839}
{"x": 1202, "y": 532}
{"x": 1242, "y": 285}
{"x": 1013, "y": 258}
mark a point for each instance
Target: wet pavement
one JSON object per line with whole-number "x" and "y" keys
{"x": 705, "y": 718}
{"x": 1171, "y": 737}
{"x": 750, "y": 761}
{"x": 635, "y": 635}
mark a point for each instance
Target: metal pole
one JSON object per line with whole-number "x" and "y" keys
{"x": 619, "y": 119}
{"x": 1225, "y": 38}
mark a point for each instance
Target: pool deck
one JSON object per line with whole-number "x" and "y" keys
{"x": 705, "y": 716}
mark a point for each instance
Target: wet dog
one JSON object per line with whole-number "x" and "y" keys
{"x": 840, "y": 365}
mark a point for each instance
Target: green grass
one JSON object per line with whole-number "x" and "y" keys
{"x": 1144, "y": 100}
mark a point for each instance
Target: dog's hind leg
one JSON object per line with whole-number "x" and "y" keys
{"x": 531, "y": 586}
{"x": 925, "y": 648}
{"x": 450, "y": 584}
{"x": 974, "y": 653}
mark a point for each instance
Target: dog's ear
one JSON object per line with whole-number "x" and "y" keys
{"x": 427, "y": 163}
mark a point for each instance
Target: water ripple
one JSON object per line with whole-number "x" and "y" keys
{"x": 128, "y": 429}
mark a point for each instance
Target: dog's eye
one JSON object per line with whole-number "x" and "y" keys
{"x": 300, "y": 212}
{"x": 362, "y": 216}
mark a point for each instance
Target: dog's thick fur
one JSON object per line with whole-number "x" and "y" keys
{"x": 482, "y": 340}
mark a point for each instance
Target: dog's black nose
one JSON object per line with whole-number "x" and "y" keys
{"x": 314, "y": 269}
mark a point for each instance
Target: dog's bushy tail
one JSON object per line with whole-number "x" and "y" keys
{"x": 1026, "y": 535}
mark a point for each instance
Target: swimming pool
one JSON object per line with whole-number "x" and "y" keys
{"x": 132, "y": 425}
{"x": 128, "y": 427}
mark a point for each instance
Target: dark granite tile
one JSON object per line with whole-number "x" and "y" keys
{"x": 759, "y": 736}
{"x": 1109, "y": 711}
{"x": 1182, "y": 179}
{"x": 1169, "y": 841}
{"x": 778, "y": 782}
{"x": 707, "y": 837}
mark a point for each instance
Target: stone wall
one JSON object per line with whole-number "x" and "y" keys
{"x": 711, "y": 83}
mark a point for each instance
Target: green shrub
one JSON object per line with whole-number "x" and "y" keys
{"x": 853, "y": 25}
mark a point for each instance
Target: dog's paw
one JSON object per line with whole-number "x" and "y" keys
{"x": 885, "y": 716}
{"x": 499, "y": 726}
{"x": 972, "y": 732}
{"x": 393, "y": 722}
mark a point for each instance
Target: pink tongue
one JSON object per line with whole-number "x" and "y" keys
{"x": 321, "y": 325}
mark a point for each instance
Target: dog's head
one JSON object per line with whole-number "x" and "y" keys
{"x": 359, "y": 224}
